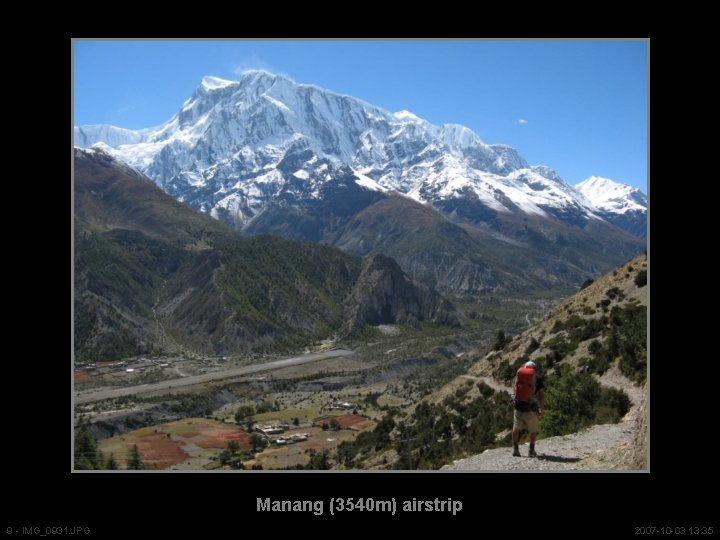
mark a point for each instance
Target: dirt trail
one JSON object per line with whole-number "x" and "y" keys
{"x": 492, "y": 383}
{"x": 603, "y": 447}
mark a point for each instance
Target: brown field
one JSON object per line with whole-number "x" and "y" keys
{"x": 193, "y": 443}
{"x": 81, "y": 375}
{"x": 216, "y": 435}
{"x": 157, "y": 450}
{"x": 165, "y": 445}
{"x": 220, "y": 437}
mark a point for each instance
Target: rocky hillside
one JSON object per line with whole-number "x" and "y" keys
{"x": 592, "y": 355}
{"x": 152, "y": 275}
{"x": 604, "y": 311}
{"x": 384, "y": 295}
{"x": 431, "y": 248}
{"x": 621, "y": 446}
{"x": 600, "y": 331}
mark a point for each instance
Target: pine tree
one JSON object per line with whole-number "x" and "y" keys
{"x": 501, "y": 340}
{"x": 135, "y": 462}
{"x": 86, "y": 453}
{"x": 233, "y": 447}
{"x": 111, "y": 464}
{"x": 318, "y": 462}
{"x": 257, "y": 442}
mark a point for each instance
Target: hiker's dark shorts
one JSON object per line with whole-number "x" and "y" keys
{"x": 526, "y": 420}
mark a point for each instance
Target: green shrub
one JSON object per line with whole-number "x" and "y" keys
{"x": 533, "y": 346}
{"x": 587, "y": 283}
{"x": 641, "y": 278}
{"x": 576, "y": 400}
{"x": 461, "y": 391}
{"x": 614, "y": 293}
{"x": 485, "y": 390}
{"x": 501, "y": 340}
{"x": 612, "y": 406}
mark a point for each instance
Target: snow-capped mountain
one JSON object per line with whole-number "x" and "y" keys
{"x": 236, "y": 145}
{"x": 266, "y": 154}
{"x": 87, "y": 136}
{"x": 620, "y": 204}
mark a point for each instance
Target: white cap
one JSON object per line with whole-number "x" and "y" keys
{"x": 530, "y": 364}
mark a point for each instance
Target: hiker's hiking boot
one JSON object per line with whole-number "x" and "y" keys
{"x": 532, "y": 452}
{"x": 516, "y": 450}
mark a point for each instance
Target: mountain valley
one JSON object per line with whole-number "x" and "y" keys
{"x": 266, "y": 154}
{"x": 283, "y": 277}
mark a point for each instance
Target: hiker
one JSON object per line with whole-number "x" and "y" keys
{"x": 529, "y": 401}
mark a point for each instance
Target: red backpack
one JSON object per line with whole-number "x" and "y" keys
{"x": 524, "y": 388}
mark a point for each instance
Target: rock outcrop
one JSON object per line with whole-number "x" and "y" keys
{"x": 383, "y": 294}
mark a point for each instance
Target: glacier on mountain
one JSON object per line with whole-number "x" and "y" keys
{"x": 236, "y": 146}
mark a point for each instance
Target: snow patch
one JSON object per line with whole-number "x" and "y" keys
{"x": 458, "y": 137}
{"x": 279, "y": 104}
{"x": 407, "y": 116}
{"x": 214, "y": 83}
{"x": 368, "y": 183}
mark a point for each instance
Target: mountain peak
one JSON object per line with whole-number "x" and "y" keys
{"x": 237, "y": 146}
{"x": 601, "y": 182}
{"x": 608, "y": 194}
{"x": 458, "y": 136}
{"x": 258, "y": 72}
{"x": 252, "y": 76}
{"x": 210, "y": 82}
{"x": 407, "y": 116}
{"x": 620, "y": 204}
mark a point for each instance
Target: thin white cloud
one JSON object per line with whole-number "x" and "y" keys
{"x": 522, "y": 121}
{"x": 250, "y": 63}
{"x": 122, "y": 112}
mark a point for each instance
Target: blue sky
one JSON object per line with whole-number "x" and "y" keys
{"x": 577, "y": 106}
